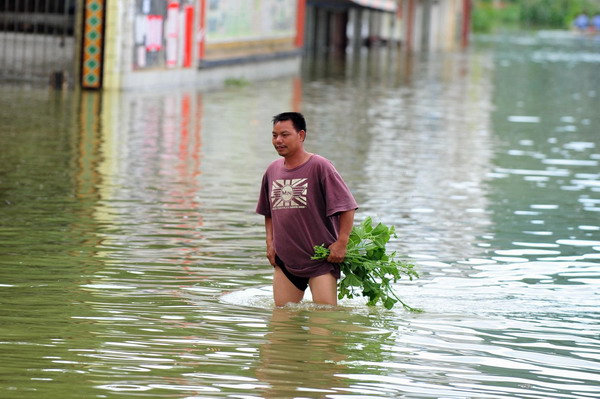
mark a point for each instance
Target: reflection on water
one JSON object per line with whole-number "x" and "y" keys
{"x": 303, "y": 354}
{"x": 133, "y": 263}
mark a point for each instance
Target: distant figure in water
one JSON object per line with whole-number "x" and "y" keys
{"x": 596, "y": 23}
{"x": 581, "y": 22}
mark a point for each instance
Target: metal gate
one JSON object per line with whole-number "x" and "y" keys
{"x": 37, "y": 41}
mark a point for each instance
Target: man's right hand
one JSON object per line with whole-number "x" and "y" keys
{"x": 271, "y": 255}
{"x": 270, "y": 248}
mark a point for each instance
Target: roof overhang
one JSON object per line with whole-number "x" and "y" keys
{"x": 383, "y": 5}
{"x": 380, "y": 5}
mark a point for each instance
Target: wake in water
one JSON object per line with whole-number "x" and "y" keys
{"x": 262, "y": 297}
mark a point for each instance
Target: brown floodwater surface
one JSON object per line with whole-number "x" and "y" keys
{"x": 132, "y": 263}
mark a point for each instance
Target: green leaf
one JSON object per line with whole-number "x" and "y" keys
{"x": 352, "y": 280}
{"x": 392, "y": 232}
{"x": 381, "y": 234}
{"x": 376, "y": 254}
{"x": 367, "y": 225}
{"x": 354, "y": 239}
{"x": 389, "y": 303}
{"x": 381, "y": 240}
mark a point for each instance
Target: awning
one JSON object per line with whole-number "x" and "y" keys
{"x": 382, "y": 5}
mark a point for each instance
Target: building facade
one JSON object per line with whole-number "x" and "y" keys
{"x": 150, "y": 43}
{"x": 133, "y": 44}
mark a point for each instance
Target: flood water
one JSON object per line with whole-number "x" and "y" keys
{"x": 132, "y": 262}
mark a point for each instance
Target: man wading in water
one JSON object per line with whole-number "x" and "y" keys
{"x": 305, "y": 203}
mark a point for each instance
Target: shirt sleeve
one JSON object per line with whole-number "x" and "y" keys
{"x": 338, "y": 197}
{"x": 264, "y": 204}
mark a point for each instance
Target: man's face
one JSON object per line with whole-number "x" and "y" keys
{"x": 286, "y": 139}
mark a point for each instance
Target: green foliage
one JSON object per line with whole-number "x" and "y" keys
{"x": 486, "y": 17}
{"x": 546, "y": 13}
{"x": 367, "y": 269}
{"x": 489, "y": 14}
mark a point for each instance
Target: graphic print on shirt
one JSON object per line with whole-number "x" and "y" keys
{"x": 286, "y": 194}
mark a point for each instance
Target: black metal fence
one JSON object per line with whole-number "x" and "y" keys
{"x": 37, "y": 41}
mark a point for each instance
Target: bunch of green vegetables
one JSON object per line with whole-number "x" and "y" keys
{"x": 367, "y": 269}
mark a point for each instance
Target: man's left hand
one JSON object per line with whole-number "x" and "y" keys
{"x": 337, "y": 252}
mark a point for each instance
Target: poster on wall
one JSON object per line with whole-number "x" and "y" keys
{"x": 231, "y": 20}
{"x": 163, "y": 33}
{"x": 172, "y": 33}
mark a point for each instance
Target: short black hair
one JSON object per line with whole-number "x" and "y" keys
{"x": 296, "y": 117}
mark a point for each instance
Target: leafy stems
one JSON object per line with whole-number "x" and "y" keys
{"x": 367, "y": 269}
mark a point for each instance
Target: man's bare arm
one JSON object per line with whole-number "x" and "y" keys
{"x": 337, "y": 250}
{"x": 270, "y": 248}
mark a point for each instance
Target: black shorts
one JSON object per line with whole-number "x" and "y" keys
{"x": 299, "y": 282}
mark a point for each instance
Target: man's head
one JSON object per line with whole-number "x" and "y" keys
{"x": 296, "y": 118}
{"x": 289, "y": 132}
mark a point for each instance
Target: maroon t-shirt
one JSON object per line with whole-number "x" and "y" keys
{"x": 304, "y": 204}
